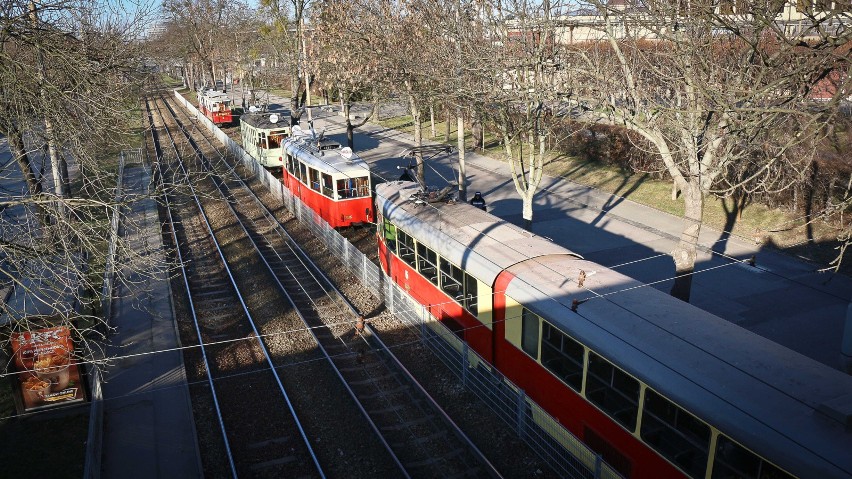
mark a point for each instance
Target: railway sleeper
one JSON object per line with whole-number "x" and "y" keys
{"x": 270, "y": 442}
{"x": 381, "y": 394}
{"x": 435, "y": 460}
{"x": 274, "y": 462}
{"x": 407, "y": 424}
{"x": 439, "y": 435}
{"x": 371, "y": 381}
{"x": 219, "y": 294}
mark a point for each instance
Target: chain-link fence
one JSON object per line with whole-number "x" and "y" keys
{"x": 567, "y": 454}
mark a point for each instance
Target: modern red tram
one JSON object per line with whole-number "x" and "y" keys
{"x": 658, "y": 387}
{"x": 216, "y": 106}
{"x": 332, "y": 181}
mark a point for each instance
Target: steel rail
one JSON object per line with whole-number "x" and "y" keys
{"x": 327, "y": 285}
{"x": 184, "y": 275}
{"x": 267, "y": 354}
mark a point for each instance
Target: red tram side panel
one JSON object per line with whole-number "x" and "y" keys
{"x": 333, "y": 182}
{"x": 216, "y": 106}
{"x": 626, "y": 374}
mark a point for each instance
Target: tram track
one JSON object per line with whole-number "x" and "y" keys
{"x": 221, "y": 320}
{"x": 413, "y": 428}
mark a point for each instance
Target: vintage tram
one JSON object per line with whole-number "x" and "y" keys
{"x": 216, "y": 106}
{"x": 658, "y": 387}
{"x": 263, "y": 136}
{"x": 332, "y": 181}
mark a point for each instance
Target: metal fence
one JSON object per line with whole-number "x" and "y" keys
{"x": 566, "y": 453}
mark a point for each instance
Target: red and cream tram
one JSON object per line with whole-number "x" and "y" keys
{"x": 332, "y": 181}
{"x": 216, "y": 106}
{"x": 656, "y": 386}
{"x": 263, "y": 136}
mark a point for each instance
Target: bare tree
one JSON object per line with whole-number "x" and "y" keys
{"x": 345, "y": 33}
{"x": 286, "y": 34}
{"x": 711, "y": 89}
{"x": 69, "y": 79}
{"x": 524, "y": 93}
{"x": 205, "y": 26}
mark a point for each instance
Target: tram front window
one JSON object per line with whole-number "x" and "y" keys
{"x": 353, "y": 187}
{"x": 274, "y": 140}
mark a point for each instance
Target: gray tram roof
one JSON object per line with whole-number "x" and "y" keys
{"x": 329, "y": 161}
{"x": 498, "y": 244}
{"x": 785, "y": 406}
{"x": 261, "y": 120}
{"x": 752, "y": 389}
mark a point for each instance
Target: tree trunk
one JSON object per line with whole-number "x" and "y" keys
{"x": 476, "y": 132}
{"x": 527, "y": 212}
{"x": 462, "y": 174}
{"x": 66, "y": 178}
{"x": 350, "y": 131}
{"x": 418, "y": 136}
{"x": 447, "y": 127}
{"x": 685, "y": 252}
{"x": 294, "y": 98}
{"x": 432, "y": 121}
{"x": 376, "y": 108}
{"x": 16, "y": 145}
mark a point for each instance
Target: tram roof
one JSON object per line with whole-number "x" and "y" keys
{"x": 452, "y": 229}
{"x": 216, "y": 95}
{"x": 783, "y": 405}
{"x": 779, "y": 403}
{"x": 261, "y": 121}
{"x": 330, "y": 161}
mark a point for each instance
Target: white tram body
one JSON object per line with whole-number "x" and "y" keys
{"x": 657, "y": 386}
{"x": 263, "y": 136}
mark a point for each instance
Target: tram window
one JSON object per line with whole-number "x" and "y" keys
{"x": 390, "y": 235}
{"x": 314, "y": 177}
{"x": 327, "y": 184}
{"x": 471, "y": 296}
{"x": 529, "y": 332}
{"x": 736, "y": 462}
{"x": 275, "y": 139}
{"x": 291, "y": 165}
{"x": 562, "y": 356}
{"x": 451, "y": 280}
{"x": 613, "y": 390}
{"x": 261, "y": 140}
{"x": 343, "y": 189}
{"x": 361, "y": 187}
{"x": 427, "y": 261}
{"x": 406, "y": 248}
{"x": 675, "y": 434}
{"x": 303, "y": 173}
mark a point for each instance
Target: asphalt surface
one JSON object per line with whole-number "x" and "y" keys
{"x": 782, "y": 298}
{"x": 149, "y": 430}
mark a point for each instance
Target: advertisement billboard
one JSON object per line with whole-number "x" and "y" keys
{"x": 47, "y": 374}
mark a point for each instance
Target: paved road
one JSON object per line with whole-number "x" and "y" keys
{"x": 782, "y": 298}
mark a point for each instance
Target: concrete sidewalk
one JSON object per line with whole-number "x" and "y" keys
{"x": 781, "y": 298}
{"x": 149, "y": 430}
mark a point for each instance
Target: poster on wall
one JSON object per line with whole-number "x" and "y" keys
{"x": 47, "y": 375}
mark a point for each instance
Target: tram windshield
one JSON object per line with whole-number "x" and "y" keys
{"x": 276, "y": 138}
{"x": 353, "y": 187}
